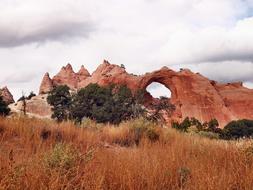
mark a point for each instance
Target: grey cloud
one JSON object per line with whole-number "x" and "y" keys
{"x": 59, "y": 31}
{"x": 227, "y": 71}
{"x": 18, "y": 78}
{"x": 230, "y": 56}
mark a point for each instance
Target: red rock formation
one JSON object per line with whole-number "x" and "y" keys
{"x": 108, "y": 73}
{"x": 83, "y": 74}
{"x": 7, "y": 96}
{"x": 46, "y": 84}
{"x": 66, "y": 76}
{"x": 193, "y": 94}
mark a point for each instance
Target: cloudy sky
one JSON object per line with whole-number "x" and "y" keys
{"x": 213, "y": 37}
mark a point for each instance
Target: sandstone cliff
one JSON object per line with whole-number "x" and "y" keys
{"x": 193, "y": 94}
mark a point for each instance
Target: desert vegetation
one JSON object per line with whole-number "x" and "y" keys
{"x": 233, "y": 130}
{"x": 136, "y": 154}
{"x": 111, "y": 104}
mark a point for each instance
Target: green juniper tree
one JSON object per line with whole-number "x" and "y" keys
{"x": 60, "y": 100}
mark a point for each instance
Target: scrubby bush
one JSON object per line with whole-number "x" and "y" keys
{"x": 238, "y": 129}
{"x": 141, "y": 128}
{"x": 233, "y": 130}
{"x": 183, "y": 126}
{"x": 192, "y": 125}
{"x": 62, "y": 156}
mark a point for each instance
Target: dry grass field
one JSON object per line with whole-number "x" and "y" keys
{"x": 37, "y": 154}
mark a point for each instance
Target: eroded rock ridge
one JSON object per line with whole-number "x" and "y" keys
{"x": 193, "y": 94}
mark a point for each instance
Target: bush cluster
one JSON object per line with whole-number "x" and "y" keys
{"x": 233, "y": 130}
{"x": 111, "y": 104}
{"x": 187, "y": 123}
{"x": 238, "y": 129}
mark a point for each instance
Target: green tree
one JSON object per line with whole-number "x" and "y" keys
{"x": 60, "y": 100}
{"x": 4, "y": 110}
{"x": 93, "y": 102}
{"x": 161, "y": 107}
{"x": 32, "y": 94}
{"x": 104, "y": 104}
{"x": 126, "y": 105}
{"x": 195, "y": 122}
{"x": 213, "y": 126}
{"x": 238, "y": 129}
{"x": 182, "y": 126}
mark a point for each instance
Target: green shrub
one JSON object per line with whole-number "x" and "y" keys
{"x": 182, "y": 126}
{"x": 141, "y": 128}
{"x": 238, "y": 129}
{"x": 65, "y": 159}
{"x": 208, "y": 129}
{"x": 62, "y": 156}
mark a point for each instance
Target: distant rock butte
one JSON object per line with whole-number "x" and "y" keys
{"x": 7, "y": 96}
{"x": 193, "y": 94}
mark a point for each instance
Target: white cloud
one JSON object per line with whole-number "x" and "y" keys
{"x": 209, "y": 44}
{"x": 224, "y": 71}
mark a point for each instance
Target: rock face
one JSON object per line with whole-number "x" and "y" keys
{"x": 66, "y": 76}
{"x": 36, "y": 107}
{"x": 193, "y": 94}
{"x": 7, "y": 96}
{"x": 46, "y": 84}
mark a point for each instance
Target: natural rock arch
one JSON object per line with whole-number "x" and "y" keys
{"x": 193, "y": 94}
{"x": 164, "y": 77}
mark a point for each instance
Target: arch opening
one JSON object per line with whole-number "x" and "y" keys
{"x": 158, "y": 90}
{"x": 248, "y": 85}
{"x": 159, "y": 104}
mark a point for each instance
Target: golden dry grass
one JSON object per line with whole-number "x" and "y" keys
{"x": 37, "y": 154}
